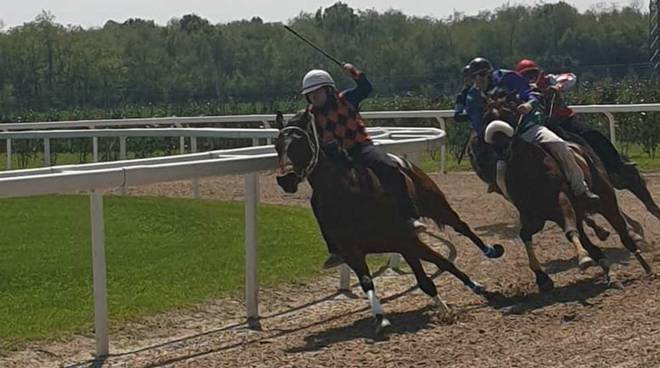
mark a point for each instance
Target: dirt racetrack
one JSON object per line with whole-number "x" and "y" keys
{"x": 581, "y": 323}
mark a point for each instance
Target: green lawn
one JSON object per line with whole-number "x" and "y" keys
{"x": 161, "y": 254}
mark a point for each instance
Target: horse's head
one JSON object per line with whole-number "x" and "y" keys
{"x": 500, "y": 117}
{"x": 499, "y": 134}
{"x": 501, "y": 105}
{"x": 297, "y": 149}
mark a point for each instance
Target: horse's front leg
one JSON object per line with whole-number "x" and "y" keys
{"x": 358, "y": 264}
{"x": 527, "y": 230}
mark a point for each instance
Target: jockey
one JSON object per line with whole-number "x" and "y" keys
{"x": 459, "y": 106}
{"x": 562, "y": 118}
{"x": 341, "y": 129}
{"x": 530, "y": 128}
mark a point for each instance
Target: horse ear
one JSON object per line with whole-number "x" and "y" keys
{"x": 279, "y": 120}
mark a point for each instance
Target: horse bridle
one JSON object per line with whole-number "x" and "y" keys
{"x": 314, "y": 146}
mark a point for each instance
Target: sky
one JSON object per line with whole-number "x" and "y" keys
{"x": 91, "y": 13}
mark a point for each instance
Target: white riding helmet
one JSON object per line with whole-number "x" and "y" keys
{"x": 315, "y": 79}
{"x": 497, "y": 126}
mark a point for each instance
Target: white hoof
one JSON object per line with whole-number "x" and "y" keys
{"x": 586, "y": 262}
{"x": 382, "y": 324}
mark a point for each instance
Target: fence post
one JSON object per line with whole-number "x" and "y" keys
{"x": 443, "y": 145}
{"x": 99, "y": 275}
{"x": 195, "y": 181}
{"x": 251, "y": 287}
{"x": 610, "y": 118}
{"x": 8, "y": 153}
{"x": 95, "y": 149}
{"x": 122, "y": 157}
{"x": 344, "y": 277}
{"x": 47, "y": 152}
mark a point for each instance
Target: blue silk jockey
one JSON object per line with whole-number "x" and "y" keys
{"x": 531, "y": 129}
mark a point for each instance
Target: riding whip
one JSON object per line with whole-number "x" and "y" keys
{"x": 314, "y": 46}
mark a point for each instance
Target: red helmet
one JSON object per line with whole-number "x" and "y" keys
{"x": 527, "y": 65}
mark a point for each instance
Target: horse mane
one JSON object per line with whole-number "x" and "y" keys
{"x": 300, "y": 118}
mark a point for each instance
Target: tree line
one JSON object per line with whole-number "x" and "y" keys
{"x": 47, "y": 68}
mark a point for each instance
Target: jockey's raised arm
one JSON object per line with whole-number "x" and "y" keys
{"x": 362, "y": 89}
{"x": 459, "y": 105}
{"x": 562, "y": 82}
{"x": 344, "y": 139}
{"x": 513, "y": 82}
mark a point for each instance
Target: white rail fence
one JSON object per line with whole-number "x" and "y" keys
{"x": 248, "y": 161}
{"x": 266, "y": 120}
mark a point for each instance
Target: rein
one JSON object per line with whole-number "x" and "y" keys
{"x": 314, "y": 146}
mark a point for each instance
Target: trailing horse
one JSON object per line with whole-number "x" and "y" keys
{"x": 536, "y": 185}
{"x": 359, "y": 218}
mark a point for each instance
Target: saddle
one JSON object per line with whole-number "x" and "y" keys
{"x": 360, "y": 179}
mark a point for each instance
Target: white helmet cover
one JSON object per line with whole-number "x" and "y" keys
{"x": 315, "y": 79}
{"x": 497, "y": 126}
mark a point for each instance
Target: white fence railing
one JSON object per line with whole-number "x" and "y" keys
{"x": 247, "y": 161}
{"x": 267, "y": 119}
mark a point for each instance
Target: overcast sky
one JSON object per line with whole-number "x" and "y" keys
{"x": 96, "y": 12}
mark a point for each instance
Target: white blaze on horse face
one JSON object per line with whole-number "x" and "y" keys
{"x": 286, "y": 166}
{"x": 501, "y": 178}
{"x": 376, "y": 308}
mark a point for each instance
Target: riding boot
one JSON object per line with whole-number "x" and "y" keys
{"x": 407, "y": 207}
{"x": 333, "y": 259}
{"x": 390, "y": 176}
{"x": 562, "y": 153}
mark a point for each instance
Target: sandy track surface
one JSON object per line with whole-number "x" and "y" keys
{"x": 581, "y": 323}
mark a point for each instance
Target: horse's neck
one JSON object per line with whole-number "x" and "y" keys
{"x": 326, "y": 180}
{"x": 529, "y": 158}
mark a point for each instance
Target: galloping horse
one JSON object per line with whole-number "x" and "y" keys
{"x": 360, "y": 218}
{"x": 535, "y": 184}
{"x": 621, "y": 176}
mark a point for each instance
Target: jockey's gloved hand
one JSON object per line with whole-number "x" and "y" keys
{"x": 526, "y": 108}
{"x": 351, "y": 70}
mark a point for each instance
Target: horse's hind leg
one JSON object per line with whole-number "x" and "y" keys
{"x": 631, "y": 179}
{"x": 424, "y": 281}
{"x": 597, "y": 254}
{"x": 437, "y": 208}
{"x": 570, "y": 225}
{"x": 601, "y": 232}
{"x": 635, "y": 226}
{"x": 610, "y": 210}
{"x": 359, "y": 266}
{"x": 430, "y": 255}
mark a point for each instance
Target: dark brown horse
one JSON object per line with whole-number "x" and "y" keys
{"x": 535, "y": 184}
{"x": 622, "y": 177}
{"x": 359, "y": 218}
